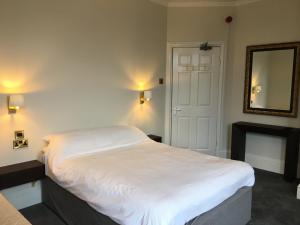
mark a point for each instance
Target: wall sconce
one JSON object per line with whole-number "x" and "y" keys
{"x": 256, "y": 89}
{"x": 14, "y": 103}
{"x": 145, "y": 96}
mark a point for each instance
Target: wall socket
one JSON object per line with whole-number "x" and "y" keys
{"x": 20, "y": 141}
{"x": 20, "y": 144}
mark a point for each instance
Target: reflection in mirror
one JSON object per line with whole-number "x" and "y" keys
{"x": 271, "y": 79}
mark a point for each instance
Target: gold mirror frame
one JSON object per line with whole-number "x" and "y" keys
{"x": 293, "y": 111}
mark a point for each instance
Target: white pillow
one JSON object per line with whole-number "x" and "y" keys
{"x": 75, "y": 143}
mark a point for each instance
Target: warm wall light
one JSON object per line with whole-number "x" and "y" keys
{"x": 256, "y": 89}
{"x": 14, "y": 103}
{"x": 145, "y": 96}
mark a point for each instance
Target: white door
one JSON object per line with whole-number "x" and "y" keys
{"x": 195, "y": 98}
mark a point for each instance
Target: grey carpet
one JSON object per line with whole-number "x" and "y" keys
{"x": 41, "y": 215}
{"x": 274, "y": 203}
{"x": 274, "y": 200}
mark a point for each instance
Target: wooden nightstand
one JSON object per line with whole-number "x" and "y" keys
{"x": 10, "y": 215}
{"x": 155, "y": 138}
{"x": 21, "y": 173}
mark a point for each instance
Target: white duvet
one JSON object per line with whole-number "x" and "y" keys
{"x": 146, "y": 183}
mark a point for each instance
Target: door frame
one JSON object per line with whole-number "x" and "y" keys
{"x": 169, "y": 81}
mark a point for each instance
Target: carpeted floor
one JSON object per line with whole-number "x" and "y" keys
{"x": 274, "y": 203}
{"x": 41, "y": 215}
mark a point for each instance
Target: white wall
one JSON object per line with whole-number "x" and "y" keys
{"x": 266, "y": 21}
{"x": 79, "y": 64}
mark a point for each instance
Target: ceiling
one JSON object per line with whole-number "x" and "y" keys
{"x": 202, "y": 3}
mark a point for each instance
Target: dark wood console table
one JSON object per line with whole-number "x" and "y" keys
{"x": 238, "y": 142}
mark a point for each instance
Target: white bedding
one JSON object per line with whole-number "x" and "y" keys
{"x": 147, "y": 183}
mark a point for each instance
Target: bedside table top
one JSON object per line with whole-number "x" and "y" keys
{"x": 9, "y": 215}
{"x": 21, "y": 173}
{"x": 20, "y": 166}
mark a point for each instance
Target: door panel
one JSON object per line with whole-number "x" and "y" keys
{"x": 205, "y": 60}
{"x": 183, "y": 132}
{"x": 195, "y": 94}
{"x": 203, "y": 133}
{"x": 184, "y": 87}
{"x": 184, "y": 60}
{"x": 204, "y": 89}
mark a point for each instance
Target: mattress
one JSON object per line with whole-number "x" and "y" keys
{"x": 148, "y": 183}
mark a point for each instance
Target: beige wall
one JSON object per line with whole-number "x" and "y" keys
{"x": 79, "y": 64}
{"x": 198, "y": 24}
{"x": 266, "y": 21}
{"x": 280, "y": 85}
{"x": 260, "y": 76}
{"x": 272, "y": 71}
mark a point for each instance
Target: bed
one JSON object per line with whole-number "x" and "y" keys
{"x": 118, "y": 176}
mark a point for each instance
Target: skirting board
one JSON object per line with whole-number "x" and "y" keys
{"x": 262, "y": 162}
{"x": 265, "y": 163}
{"x": 223, "y": 154}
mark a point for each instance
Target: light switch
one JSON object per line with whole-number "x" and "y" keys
{"x": 19, "y": 134}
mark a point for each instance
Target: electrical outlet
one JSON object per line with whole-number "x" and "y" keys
{"x": 22, "y": 143}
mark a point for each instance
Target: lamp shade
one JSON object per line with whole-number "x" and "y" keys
{"x": 148, "y": 95}
{"x": 16, "y": 101}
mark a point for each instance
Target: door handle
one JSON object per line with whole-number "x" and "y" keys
{"x": 177, "y": 109}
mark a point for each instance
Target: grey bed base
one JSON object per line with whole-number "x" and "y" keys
{"x": 234, "y": 211}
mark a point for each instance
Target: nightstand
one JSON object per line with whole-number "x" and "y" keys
{"x": 9, "y": 214}
{"x": 21, "y": 173}
{"x": 155, "y": 138}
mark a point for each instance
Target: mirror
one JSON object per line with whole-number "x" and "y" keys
{"x": 272, "y": 79}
